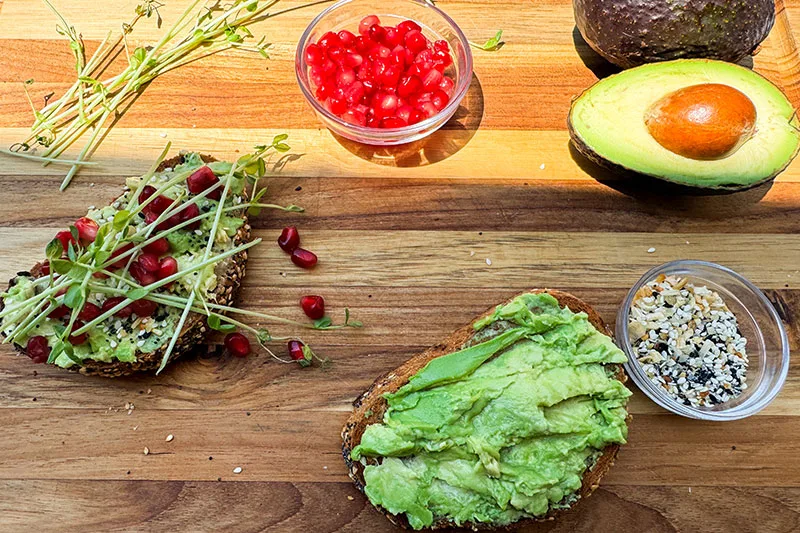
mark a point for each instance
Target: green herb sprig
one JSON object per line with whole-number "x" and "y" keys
{"x": 495, "y": 43}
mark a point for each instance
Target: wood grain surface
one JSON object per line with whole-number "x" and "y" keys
{"x": 403, "y": 235}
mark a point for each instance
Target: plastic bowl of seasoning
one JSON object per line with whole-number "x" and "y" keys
{"x": 392, "y": 84}
{"x": 703, "y": 341}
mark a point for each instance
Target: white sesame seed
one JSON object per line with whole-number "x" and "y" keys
{"x": 541, "y": 167}
{"x": 237, "y": 470}
{"x": 170, "y": 437}
{"x": 488, "y": 261}
{"x": 146, "y": 450}
{"x": 651, "y": 250}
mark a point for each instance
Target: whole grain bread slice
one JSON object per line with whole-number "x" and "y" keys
{"x": 230, "y": 273}
{"x": 371, "y": 406}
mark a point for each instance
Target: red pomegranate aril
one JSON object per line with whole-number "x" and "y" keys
{"x": 201, "y": 179}
{"x": 353, "y": 59}
{"x": 415, "y": 116}
{"x": 317, "y": 76}
{"x": 159, "y": 204}
{"x": 366, "y": 23}
{"x": 119, "y": 251}
{"x": 404, "y": 112}
{"x": 149, "y": 262}
{"x": 408, "y": 26}
{"x": 314, "y": 55}
{"x": 408, "y": 86}
{"x": 329, "y": 40}
{"x": 373, "y": 122}
{"x": 65, "y": 237}
{"x": 441, "y": 46}
{"x": 237, "y": 344}
{"x": 336, "y": 106}
{"x": 289, "y": 239}
{"x": 38, "y": 349}
{"x": 77, "y": 339}
{"x": 365, "y": 73}
{"x": 59, "y": 312}
{"x": 304, "y": 258}
{"x": 444, "y": 57}
{"x": 354, "y": 93}
{"x": 431, "y": 80}
{"x": 393, "y": 122}
{"x": 447, "y": 84}
{"x": 347, "y": 38}
{"x": 146, "y": 193}
{"x": 384, "y": 104}
{"x": 377, "y": 33}
{"x": 167, "y": 267}
{"x": 114, "y": 301}
{"x": 345, "y": 77}
{"x": 369, "y": 87}
{"x": 323, "y": 92}
{"x": 424, "y": 58}
{"x": 379, "y": 52}
{"x": 440, "y": 99}
{"x": 428, "y": 109}
{"x": 329, "y": 67}
{"x": 394, "y": 37}
{"x": 157, "y": 247}
{"x": 313, "y": 306}
{"x": 189, "y": 213}
{"x": 364, "y": 44}
{"x": 45, "y": 268}
{"x": 87, "y": 229}
{"x": 138, "y": 273}
{"x": 390, "y": 76}
{"x": 337, "y": 54}
{"x": 89, "y": 312}
{"x": 415, "y": 41}
{"x": 295, "y": 349}
{"x": 356, "y": 118}
{"x": 143, "y": 308}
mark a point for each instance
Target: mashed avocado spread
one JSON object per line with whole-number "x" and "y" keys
{"x": 503, "y": 429}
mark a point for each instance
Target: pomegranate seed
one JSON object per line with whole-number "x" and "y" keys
{"x": 87, "y": 229}
{"x": 431, "y": 80}
{"x": 379, "y": 52}
{"x": 329, "y": 67}
{"x": 336, "y": 106}
{"x": 38, "y": 349}
{"x": 111, "y": 303}
{"x": 188, "y": 214}
{"x": 78, "y": 339}
{"x": 443, "y": 57}
{"x": 377, "y": 33}
{"x": 398, "y": 57}
{"x": 364, "y": 44}
{"x": 59, "y": 312}
{"x": 237, "y": 344}
{"x": 393, "y": 122}
{"x": 119, "y": 251}
{"x": 415, "y": 116}
{"x": 317, "y": 76}
{"x": 390, "y": 76}
{"x": 415, "y": 41}
{"x": 138, "y": 273}
{"x": 352, "y": 59}
{"x": 202, "y": 179}
{"x": 149, "y": 262}
{"x": 296, "y": 350}
{"x": 428, "y": 109}
{"x": 384, "y": 105}
{"x": 447, "y": 84}
{"x": 329, "y": 40}
{"x": 347, "y": 38}
{"x": 289, "y": 239}
{"x": 313, "y": 306}
{"x": 146, "y": 193}
{"x": 65, "y": 237}
{"x": 365, "y": 73}
{"x": 89, "y": 312}
{"x": 366, "y": 23}
{"x": 440, "y": 99}
{"x": 157, "y": 247}
{"x": 159, "y": 204}
{"x": 354, "y": 117}
{"x": 143, "y": 308}
{"x": 408, "y": 85}
{"x": 393, "y": 37}
{"x": 441, "y": 46}
{"x": 424, "y": 58}
{"x": 45, "y": 268}
{"x": 404, "y": 112}
{"x": 408, "y": 26}
{"x": 337, "y": 54}
{"x": 304, "y": 258}
{"x": 323, "y": 92}
{"x": 354, "y": 93}
{"x": 314, "y": 55}
{"x": 345, "y": 77}
{"x": 167, "y": 267}
{"x": 369, "y": 87}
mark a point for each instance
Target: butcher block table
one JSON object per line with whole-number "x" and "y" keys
{"x": 416, "y": 241}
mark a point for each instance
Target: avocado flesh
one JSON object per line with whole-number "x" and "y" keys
{"x": 503, "y": 429}
{"x": 607, "y": 125}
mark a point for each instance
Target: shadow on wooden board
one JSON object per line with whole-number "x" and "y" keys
{"x": 438, "y": 146}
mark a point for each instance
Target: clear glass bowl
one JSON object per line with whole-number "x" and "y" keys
{"x": 435, "y": 25}
{"x": 767, "y": 344}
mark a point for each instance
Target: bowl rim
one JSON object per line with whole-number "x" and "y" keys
{"x": 634, "y": 369}
{"x": 460, "y": 90}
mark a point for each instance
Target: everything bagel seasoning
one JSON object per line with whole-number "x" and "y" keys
{"x": 688, "y": 342}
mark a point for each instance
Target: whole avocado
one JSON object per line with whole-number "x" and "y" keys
{"x": 632, "y": 32}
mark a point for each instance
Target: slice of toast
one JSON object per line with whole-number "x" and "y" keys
{"x": 371, "y": 406}
{"x": 229, "y": 272}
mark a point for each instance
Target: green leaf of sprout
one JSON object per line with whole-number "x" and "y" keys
{"x": 263, "y": 336}
{"x": 78, "y": 271}
{"x": 215, "y": 323}
{"x": 252, "y": 7}
{"x": 137, "y": 294}
{"x": 74, "y": 297}
{"x": 71, "y": 253}
{"x": 282, "y": 147}
{"x": 121, "y": 219}
{"x": 322, "y": 323}
{"x": 74, "y": 232}
{"x": 308, "y": 356}
{"x": 101, "y": 256}
{"x": 54, "y": 249}
{"x": 492, "y": 44}
{"x": 279, "y": 138}
{"x": 60, "y": 266}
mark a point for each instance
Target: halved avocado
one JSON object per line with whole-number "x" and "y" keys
{"x": 607, "y": 125}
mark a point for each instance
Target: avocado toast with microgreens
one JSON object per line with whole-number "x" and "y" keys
{"x": 514, "y": 418}
{"x": 138, "y": 283}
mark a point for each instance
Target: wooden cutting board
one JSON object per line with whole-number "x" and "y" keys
{"x": 416, "y": 241}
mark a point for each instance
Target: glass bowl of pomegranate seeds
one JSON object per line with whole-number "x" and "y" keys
{"x": 383, "y": 72}
{"x": 703, "y": 341}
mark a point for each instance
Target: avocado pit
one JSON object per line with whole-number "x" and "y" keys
{"x": 708, "y": 121}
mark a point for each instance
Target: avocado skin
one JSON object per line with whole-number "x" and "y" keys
{"x": 632, "y": 32}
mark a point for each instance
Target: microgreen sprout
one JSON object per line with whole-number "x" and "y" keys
{"x": 495, "y": 43}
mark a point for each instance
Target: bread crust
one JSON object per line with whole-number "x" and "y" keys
{"x": 371, "y": 406}
{"x": 230, "y": 273}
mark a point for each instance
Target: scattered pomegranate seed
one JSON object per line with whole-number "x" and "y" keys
{"x": 371, "y": 79}
{"x": 304, "y": 258}
{"x": 87, "y": 229}
{"x": 237, "y": 344}
{"x": 149, "y": 262}
{"x": 141, "y": 275}
{"x": 65, "y": 237}
{"x": 38, "y": 349}
{"x": 313, "y": 306}
{"x": 201, "y": 179}
{"x": 296, "y": 350}
{"x": 114, "y": 301}
{"x": 45, "y": 268}
{"x": 119, "y": 251}
{"x": 289, "y": 239}
{"x": 157, "y": 247}
{"x": 188, "y": 214}
{"x": 59, "y": 312}
{"x": 143, "y": 308}
{"x": 167, "y": 267}
{"x": 78, "y": 339}
{"x": 89, "y": 312}
{"x": 160, "y": 204}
